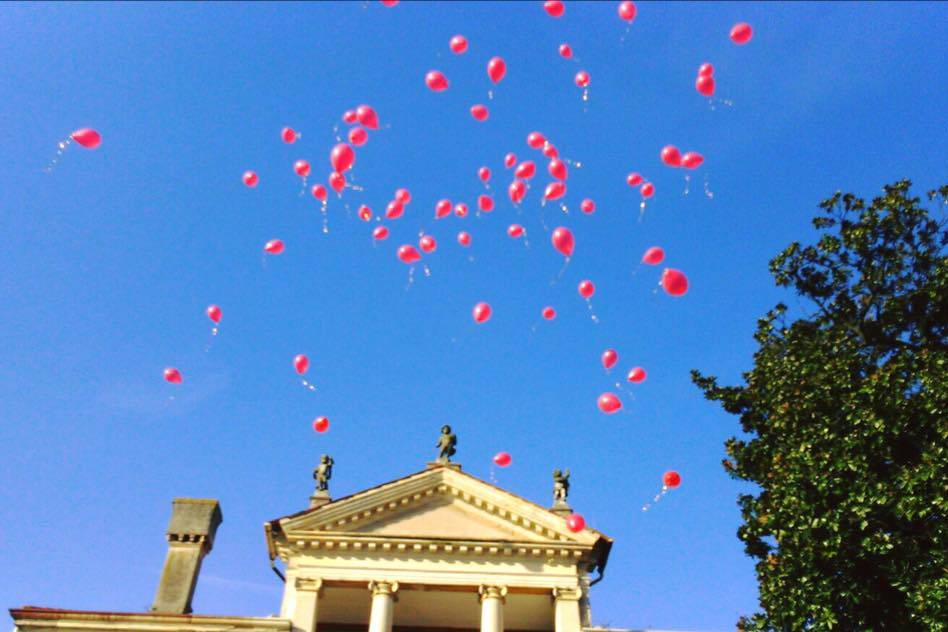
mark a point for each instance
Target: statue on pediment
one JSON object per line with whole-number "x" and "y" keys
{"x": 560, "y": 486}
{"x": 446, "y": 444}
{"x": 323, "y": 473}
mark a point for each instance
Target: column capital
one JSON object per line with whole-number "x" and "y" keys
{"x": 567, "y": 593}
{"x": 383, "y": 587}
{"x": 309, "y": 584}
{"x": 492, "y": 592}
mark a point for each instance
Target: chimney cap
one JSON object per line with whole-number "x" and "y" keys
{"x": 195, "y": 517}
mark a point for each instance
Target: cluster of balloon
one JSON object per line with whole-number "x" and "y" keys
{"x": 575, "y": 522}
{"x": 396, "y": 207}
{"x": 85, "y": 137}
{"x": 672, "y": 157}
{"x": 646, "y": 189}
{"x": 586, "y": 289}
{"x": 670, "y": 480}
{"x": 321, "y": 424}
{"x": 704, "y": 83}
{"x": 301, "y": 365}
{"x": 481, "y": 313}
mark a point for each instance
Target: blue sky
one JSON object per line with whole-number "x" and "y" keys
{"x": 110, "y": 260}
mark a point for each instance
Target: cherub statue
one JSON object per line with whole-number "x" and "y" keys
{"x": 446, "y": 444}
{"x": 323, "y": 473}
{"x": 560, "y": 486}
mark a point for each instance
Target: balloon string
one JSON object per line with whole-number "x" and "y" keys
{"x": 708, "y": 193}
{"x": 427, "y": 270}
{"x": 492, "y": 478}
{"x": 641, "y": 211}
{"x": 325, "y": 221}
{"x": 411, "y": 277}
{"x": 308, "y": 385}
{"x": 657, "y": 498}
{"x": 62, "y": 147}
{"x": 559, "y": 275}
{"x": 687, "y": 183}
{"x": 564, "y": 208}
{"x": 490, "y": 94}
{"x": 592, "y": 314}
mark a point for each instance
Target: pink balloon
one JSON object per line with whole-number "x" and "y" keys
{"x": 289, "y": 135}
{"x": 704, "y": 84}
{"x": 562, "y": 240}
{"x": 671, "y": 479}
{"x": 484, "y": 174}
{"x": 535, "y": 140}
{"x": 481, "y": 313}
{"x": 394, "y": 210}
{"x": 485, "y": 203}
{"x": 581, "y": 79}
{"x": 586, "y": 288}
{"x": 554, "y": 8}
{"x": 464, "y": 238}
{"x": 214, "y": 313}
{"x": 408, "y": 254}
{"x": 460, "y": 209}
{"x": 337, "y": 181}
{"x": 515, "y": 231}
{"x": 496, "y": 69}
{"x": 587, "y": 206}
{"x": 516, "y": 191}
{"x": 342, "y": 157}
{"x": 609, "y": 403}
{"x": 554, "y": 190}
{"x": 427, "y": 244}
{"x": 274, "y": 247}
{"x": 674, "y": 282}
{"x": 647, "y": 190}
{"x": 550, "y": 151}
{"x": 671, "y": 156}
{"x": 321, "y": 424}
{"x": 479, "y": 112}
{"x": 692, "y": 160}
{"x": 634, "y": 179}
{"x": 557, "y": 169}
{"x": 350, "y": 117}
{"x": 301, "y": 167}
{"x": 173, "y": 375}
{"x": 301, "y": 364}
{"x": 510, "y": 160}
{"x": 706, "y": 70}
{"x": 566, "y": 51}
{"x": 525, "y": 170}
{"x": 403, "y": 195}
{"x": 367, "y": 116}
{"x": 548, "y": 313}
{"x": 436, "y": 81}
{"x": 380, "y": 233}
{"x": 502, "y": 459}
{"x": 741, "y": 33}
{"x": 388, "y": 3}
{"x": 319, "y": 192}
{"x": 458, "y": 44}
{"x": 653, "y": 256}
{"x": 575, "y": 523}
{"x": 365, "y": 213}
{"x": 358, "y": 136}
{"x": 627, "y": 10}
{"x": 609, "y": 358}
{"x": 442, "y": 209}
{"x": 87, "y": 137}
{"x": 636, "y": 375}
{"x": 250, "y": 179}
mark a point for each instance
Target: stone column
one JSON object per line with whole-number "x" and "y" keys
{"x": 383, "y": 606}
{"x": 306, "y": 606}
{"x": 492, "y": 608}
{"x": 566, "y": 616}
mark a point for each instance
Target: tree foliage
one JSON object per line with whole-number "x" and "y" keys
{"x": 846, "y": 419}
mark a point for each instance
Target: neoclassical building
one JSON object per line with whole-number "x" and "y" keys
{"x": 435, "y": 551}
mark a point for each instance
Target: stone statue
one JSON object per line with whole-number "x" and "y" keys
{"x": 560, "y": 486}
{"x": 323, "y": 473}
{"x": 446, "y": 444}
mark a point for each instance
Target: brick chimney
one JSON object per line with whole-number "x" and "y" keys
{"x": 194, "y": 522}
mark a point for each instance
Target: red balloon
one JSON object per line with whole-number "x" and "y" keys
{"x": 562, "y": 240}
{"x": 653, "y": 256}
{"x": 510, "y": 160}
{"x": 408, "y": 254}
{"x": 485, "y": 203}
{"x": 350, "y": 117}
{"x": 301, "y": 167}
{"x": 692, "y": 160}
{"x": 214, "y": 313}
{"x": 609, "y": 358}
{"x": 342, "y": 157}
{"x": 380, "y": 233}
{"x": 671, "y": 156}
{"x": 647, "y": 190}
{"x": 481, "y": 313}
{"x": 704, "y": 84}
{"x": 671, "y": 479}
{"x": 535, "y": 140}
{"x": 557, "y": 169}
{"x": 250, "y": 179}
{"x": 496, "y": 69}
{"x": 367, "y": 116}
{"x": 516, "y": 191}
{"x": 389, "y": 3}
{"x": 525, "y": 170}
{"x": 636, "y": 375}
{"x": 548, "y": 313}
{"x": 674, "y": 282}
{"x": 289, "y": 135}
{"x": 479, "y": 112}
{"x": 586, "y": 288}
{"x": 741, "y": 33}
{"x": 587, "y": 206}
{"x": 319, "y": 192}
{"x": 394, "y": 210}
{"x": 442, "y": 209}
{"x": 581, "y": 79}
{"x": 609, "y": 403}
{"x": 274, "y": 247}
{"x": 458, "y": 44}
{"x": 173, "y": 375}
{"x": 706, "y": 70}
{"x": 627, "y": 10}
{"x": 484, "y": 174}
{"x": 555, "y": 8}
{"x": 365, "y": 213}
{"x": 554, "y": 191}
{"x": 515, "y": 231}
{"x": 550, "y": 151}
{"x": 403, "y": 195}
{"x": 575, "y": 523}
{"x": 321, "y": 424}
{"x": 634, "y": 179}
{"x": 428, "y": 244}
{"x": 337, "y": 181}
{"x": 436, "y": 81}
{"x": 502, "y": 459}
{"x": 358, "y": 136}
{"x": 301, "y": 364}
{"x": 464, "y": 238}
{"x": 460, "y": 209}
{"x": 87, "y": 137}
{"x": 566, "y": 51}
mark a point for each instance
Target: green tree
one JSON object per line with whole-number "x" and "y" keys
{"x": 846, "y": 419}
